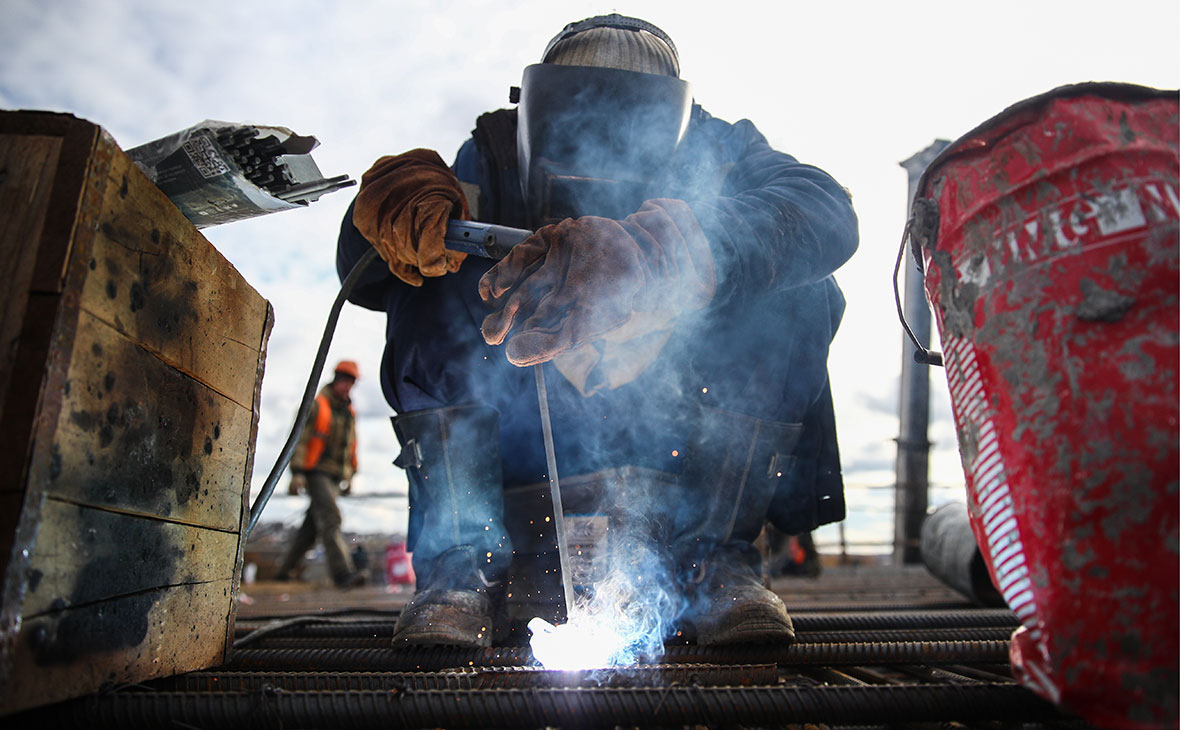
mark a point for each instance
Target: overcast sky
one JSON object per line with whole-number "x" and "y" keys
{"x": 851, "y": 87}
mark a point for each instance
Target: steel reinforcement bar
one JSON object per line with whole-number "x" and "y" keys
{"x": 868, "y": 621}
{"x": 431, "y": 659}
{"x": 659, "y": 675}
{"x": 803, "y": 637}
{"x": 545, "y": 707}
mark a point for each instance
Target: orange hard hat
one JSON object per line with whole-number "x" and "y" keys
{"x": 349, "y": 368}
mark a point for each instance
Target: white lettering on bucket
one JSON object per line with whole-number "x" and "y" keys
{"x": 1076, "y": 222}
{"x": 1162, "y": 204}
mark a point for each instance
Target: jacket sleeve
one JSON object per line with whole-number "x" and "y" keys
{"x": 776, "y": 223}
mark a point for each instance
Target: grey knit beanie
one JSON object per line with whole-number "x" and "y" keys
{"x": 615, "y": 41}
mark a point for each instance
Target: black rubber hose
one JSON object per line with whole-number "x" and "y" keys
{"x": 313, "y": 381}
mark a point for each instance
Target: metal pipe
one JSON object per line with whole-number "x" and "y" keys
{"x": 577, "y": 707}
{"x": 435, "y": 659}
{"x": 913, "y": 444}
{"x": 952, "y": 555}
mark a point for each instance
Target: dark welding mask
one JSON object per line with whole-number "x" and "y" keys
{"x": 599, "y": 120}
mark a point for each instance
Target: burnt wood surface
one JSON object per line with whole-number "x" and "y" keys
{"x": 130, "y": 371}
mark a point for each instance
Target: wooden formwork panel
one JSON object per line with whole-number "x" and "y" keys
{"x": 131, "y": 357}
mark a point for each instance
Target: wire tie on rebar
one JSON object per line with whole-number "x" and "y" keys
{"x": 664, "y": 696}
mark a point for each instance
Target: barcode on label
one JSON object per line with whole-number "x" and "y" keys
{"x": 205, "y": 157}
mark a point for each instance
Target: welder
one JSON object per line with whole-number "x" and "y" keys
{"x": 679, "y": 289}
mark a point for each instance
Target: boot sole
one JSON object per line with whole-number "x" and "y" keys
{"x": 434, "y": 624}
{"x": 437, "y": 637}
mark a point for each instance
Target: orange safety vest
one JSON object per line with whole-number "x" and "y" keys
{"x": 319, "y": 434}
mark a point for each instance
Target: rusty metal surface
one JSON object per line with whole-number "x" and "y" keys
{"x": 1053, "y": 266}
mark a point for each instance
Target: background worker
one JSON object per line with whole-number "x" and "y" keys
{"x": 678, "y": 290}
{"x": 322, "y": 465}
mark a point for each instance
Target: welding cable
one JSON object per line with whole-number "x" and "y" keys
{"x": 313, "y": 381}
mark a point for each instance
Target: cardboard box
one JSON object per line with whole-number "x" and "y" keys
{"x": 131, "y": 357}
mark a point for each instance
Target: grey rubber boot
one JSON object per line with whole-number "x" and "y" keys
{"x": 732, "y": 468}
{"x": 461, "y": 550}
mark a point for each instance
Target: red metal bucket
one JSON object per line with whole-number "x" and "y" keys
{"x": 1050, "y": 245}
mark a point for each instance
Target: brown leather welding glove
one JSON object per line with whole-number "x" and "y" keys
{"x": 402, "y": 209}
{"x": 585, "y": 278}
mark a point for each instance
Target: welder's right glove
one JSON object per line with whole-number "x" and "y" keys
{"x": 402, "y": 210}
{"x": 593, "y": 279}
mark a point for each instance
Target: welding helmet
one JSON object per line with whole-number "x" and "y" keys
{"x": 599, "y": 119}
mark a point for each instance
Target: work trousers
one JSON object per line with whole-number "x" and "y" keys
{"x": 322, "y": 521}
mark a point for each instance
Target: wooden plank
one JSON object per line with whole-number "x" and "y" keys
{"x": 158, "y": 633}
{"x": 78, "y": 183}
{"x": 10, "y": 504}
{"x": 28, "y": 166}
{"x": 84, "y": 555}
{"x": 249, "y": 470}
{"x": 128, "y": 423}
{"x": 22, "y": 399}
{"x": 137, "y": 436}
{"x": 155, "y": 278}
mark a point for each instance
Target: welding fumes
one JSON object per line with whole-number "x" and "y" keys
{"x": 621, "y": 620}
{"x": 682, "y": 305}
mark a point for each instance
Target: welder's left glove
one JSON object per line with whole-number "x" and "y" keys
{"x": 589, "y": 279}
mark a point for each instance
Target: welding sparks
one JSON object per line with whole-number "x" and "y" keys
{"x": 622, "y": 621}
{"x": 582, "y": 643}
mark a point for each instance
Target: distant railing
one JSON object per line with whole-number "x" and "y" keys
{"x": 869, "y": 516}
